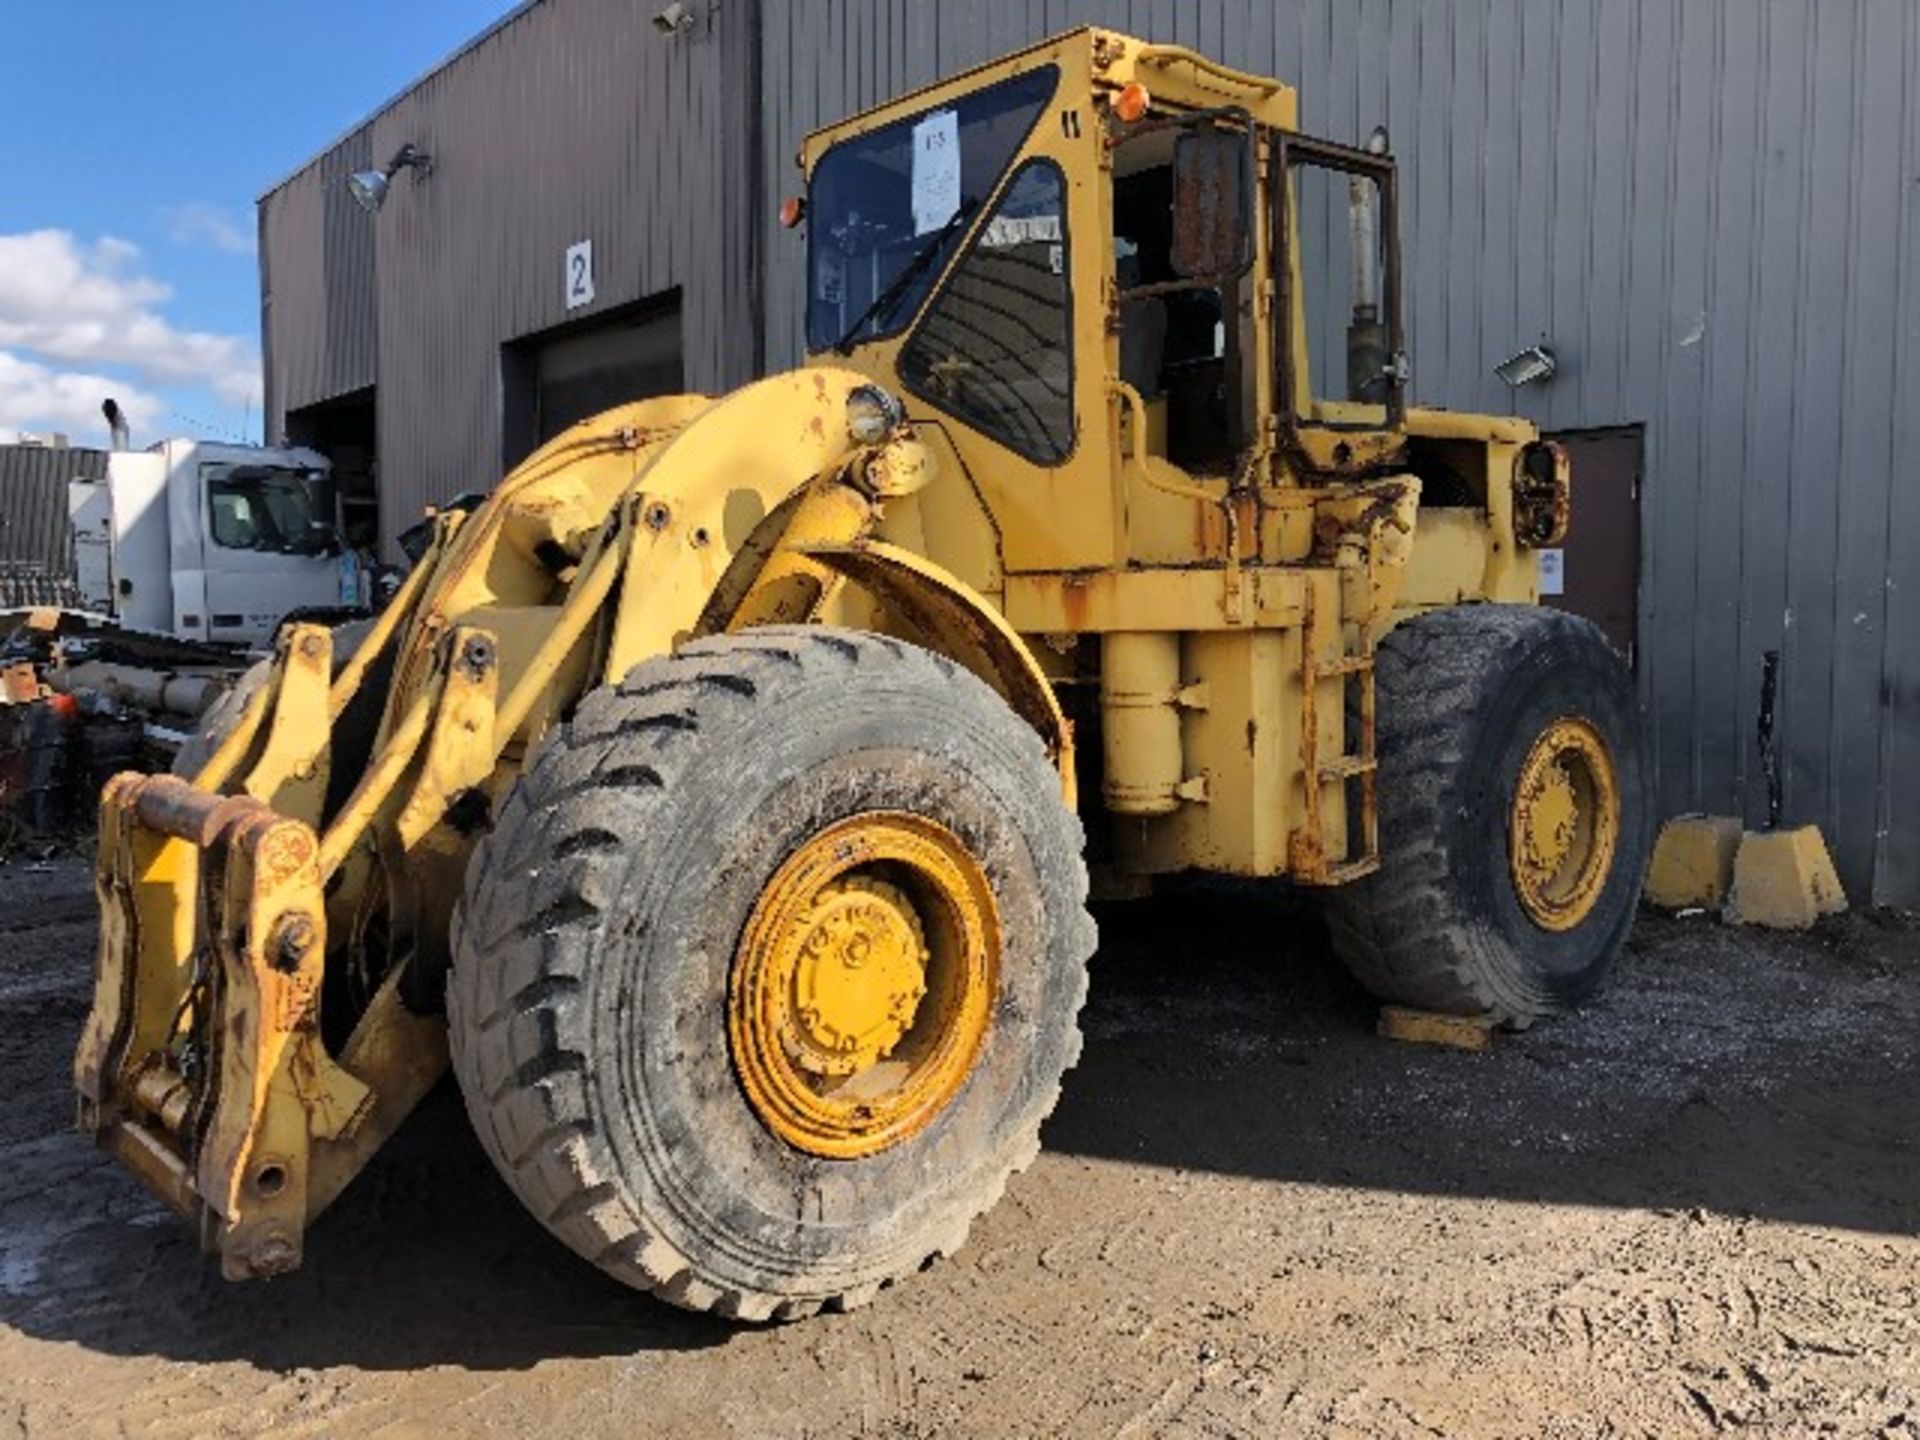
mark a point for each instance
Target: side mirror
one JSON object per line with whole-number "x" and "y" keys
{"x": 322, "y": 495}
{"x": 1212, "y": 190}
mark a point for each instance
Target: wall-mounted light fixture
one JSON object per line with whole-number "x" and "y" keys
{"x": 674, "y": 19}
{"x": 1533, "y": 364}
{"x": 369, "y": 187}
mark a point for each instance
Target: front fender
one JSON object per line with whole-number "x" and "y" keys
{"x": 941, "y": 612}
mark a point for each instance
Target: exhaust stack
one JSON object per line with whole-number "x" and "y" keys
{"x": 117, "y": 424}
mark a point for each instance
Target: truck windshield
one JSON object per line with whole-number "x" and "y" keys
{"x": 887, "y": 209}
{"x": 265, "y": 507}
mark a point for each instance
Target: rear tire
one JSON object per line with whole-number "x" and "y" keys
{"x": 1467, "y": 699}
{"x": 600, "y": 944}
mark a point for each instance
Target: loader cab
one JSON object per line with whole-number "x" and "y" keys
{"x": 1098, "y": 236}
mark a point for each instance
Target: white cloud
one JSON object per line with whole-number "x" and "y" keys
{"x": 37, "y": 397}
{"x": 76, "y": 304}
{"x": 198, "y": 223}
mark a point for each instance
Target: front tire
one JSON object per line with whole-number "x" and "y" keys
{"x": 658, "y": 1010}
{"x": 1515, "y": 815}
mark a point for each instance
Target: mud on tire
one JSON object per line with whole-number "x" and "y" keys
{"x": 1463, "y": 694}
{"x": 592, "y": 954}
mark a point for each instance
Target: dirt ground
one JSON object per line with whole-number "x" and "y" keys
{"x": 1693, "y": 1208}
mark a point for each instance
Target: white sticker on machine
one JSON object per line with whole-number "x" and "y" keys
{"x": 1004, "y": 231}
{"x": 936, "y": 170}
{"x": 1553, "y": 572}
{"x": 831, "y": 278}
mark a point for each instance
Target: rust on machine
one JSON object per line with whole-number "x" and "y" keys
{"x": 709, "y": 799}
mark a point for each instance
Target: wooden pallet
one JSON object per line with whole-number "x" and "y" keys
{"x": 1424, "y": 1027}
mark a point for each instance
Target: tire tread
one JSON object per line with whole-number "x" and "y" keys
{"x": 514, "y": 995}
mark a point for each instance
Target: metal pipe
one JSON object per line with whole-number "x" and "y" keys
{"x": 164, "y": 691}
{"x": 117, "y": 424}
{"x": 1363, "y": 227}
{"x": 1140, "y": 722}
{"x": 1178, "y": 55}
{"x": 1366, "y": 336}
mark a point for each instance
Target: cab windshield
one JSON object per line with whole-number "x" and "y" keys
{"x": 887, "y": 209}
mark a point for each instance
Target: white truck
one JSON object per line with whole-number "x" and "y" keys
{"x": 210, "y": 542}
{"x": 142, "y": 584}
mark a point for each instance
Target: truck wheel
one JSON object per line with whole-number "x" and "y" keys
{"x": 1515, "y": 818}
{"x": 216, "y": 722}
{"x": 770, "y": 968}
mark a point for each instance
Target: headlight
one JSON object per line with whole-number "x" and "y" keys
{"x": 873, "y": 415}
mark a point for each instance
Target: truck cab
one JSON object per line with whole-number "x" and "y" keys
{"x": 210, "y": 541}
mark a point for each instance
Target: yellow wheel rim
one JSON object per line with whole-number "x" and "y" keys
{"x": 1565, "y": 824}
{"x": 864, "y": 983}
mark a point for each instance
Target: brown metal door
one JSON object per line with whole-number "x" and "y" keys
{"x": 1599, "y": 566}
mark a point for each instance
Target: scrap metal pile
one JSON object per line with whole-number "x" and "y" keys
{"x": 80, "y": 702}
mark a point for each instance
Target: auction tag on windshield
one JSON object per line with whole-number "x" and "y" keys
{"x": 936, "y": 171}
{"x": 830, "y": 284}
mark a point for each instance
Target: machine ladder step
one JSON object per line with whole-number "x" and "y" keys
{"x": 1346, "y": 870}
{"x": 1361, "y": 664}
{"x": 1354, "y": 771}
{"x": 1345, "y": 767}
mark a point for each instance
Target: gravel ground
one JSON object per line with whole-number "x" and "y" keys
{"x": 1694, "y": 1208}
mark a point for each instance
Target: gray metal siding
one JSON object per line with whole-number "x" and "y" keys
{"x": 574, "y": 121}
{"x": 317, "y": 301}
{"x": 1708, "y": 208}
{"x": 36, "y": 535}
{"x": 571, "y": 120}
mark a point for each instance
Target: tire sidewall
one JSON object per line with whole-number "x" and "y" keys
{"x": 1567, "y": 672}
{"x": 763, "y": 1214}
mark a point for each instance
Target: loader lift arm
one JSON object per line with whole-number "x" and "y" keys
{"x": 226, "y": 899}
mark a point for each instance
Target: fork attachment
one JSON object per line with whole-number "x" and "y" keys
{"x": 201, "y": 1066}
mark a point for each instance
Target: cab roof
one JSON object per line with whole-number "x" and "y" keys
{"x": 1173, "y": 74}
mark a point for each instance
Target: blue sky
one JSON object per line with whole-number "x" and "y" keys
{"x": 135, "y": 137}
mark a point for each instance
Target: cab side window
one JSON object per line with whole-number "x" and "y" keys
{"x": 233, "y": 522}
{"x": 263, "y": 508}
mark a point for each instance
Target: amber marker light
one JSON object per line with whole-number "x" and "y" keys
{"x": 793, "y": 210}
{"x": 1132, "y": 102}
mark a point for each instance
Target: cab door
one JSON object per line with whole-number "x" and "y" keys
{"x": 1343, "y": 371}
{"x": 262, "y": 551}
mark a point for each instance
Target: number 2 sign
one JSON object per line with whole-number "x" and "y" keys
{"x": 579, "y": 274}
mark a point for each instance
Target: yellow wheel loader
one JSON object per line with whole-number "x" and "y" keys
{"x": 719, "y": 797}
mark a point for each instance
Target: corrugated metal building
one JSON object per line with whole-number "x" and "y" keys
{"x": 36, "y": 530}
{"x": 1709, "y": 209}
{"x": 429, "y": 334}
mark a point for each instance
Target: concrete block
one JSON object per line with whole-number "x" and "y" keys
{"x": 1693, "y": 862}
{"x": 1424, "y": 1027}
{"x": 1784, "y": 880}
